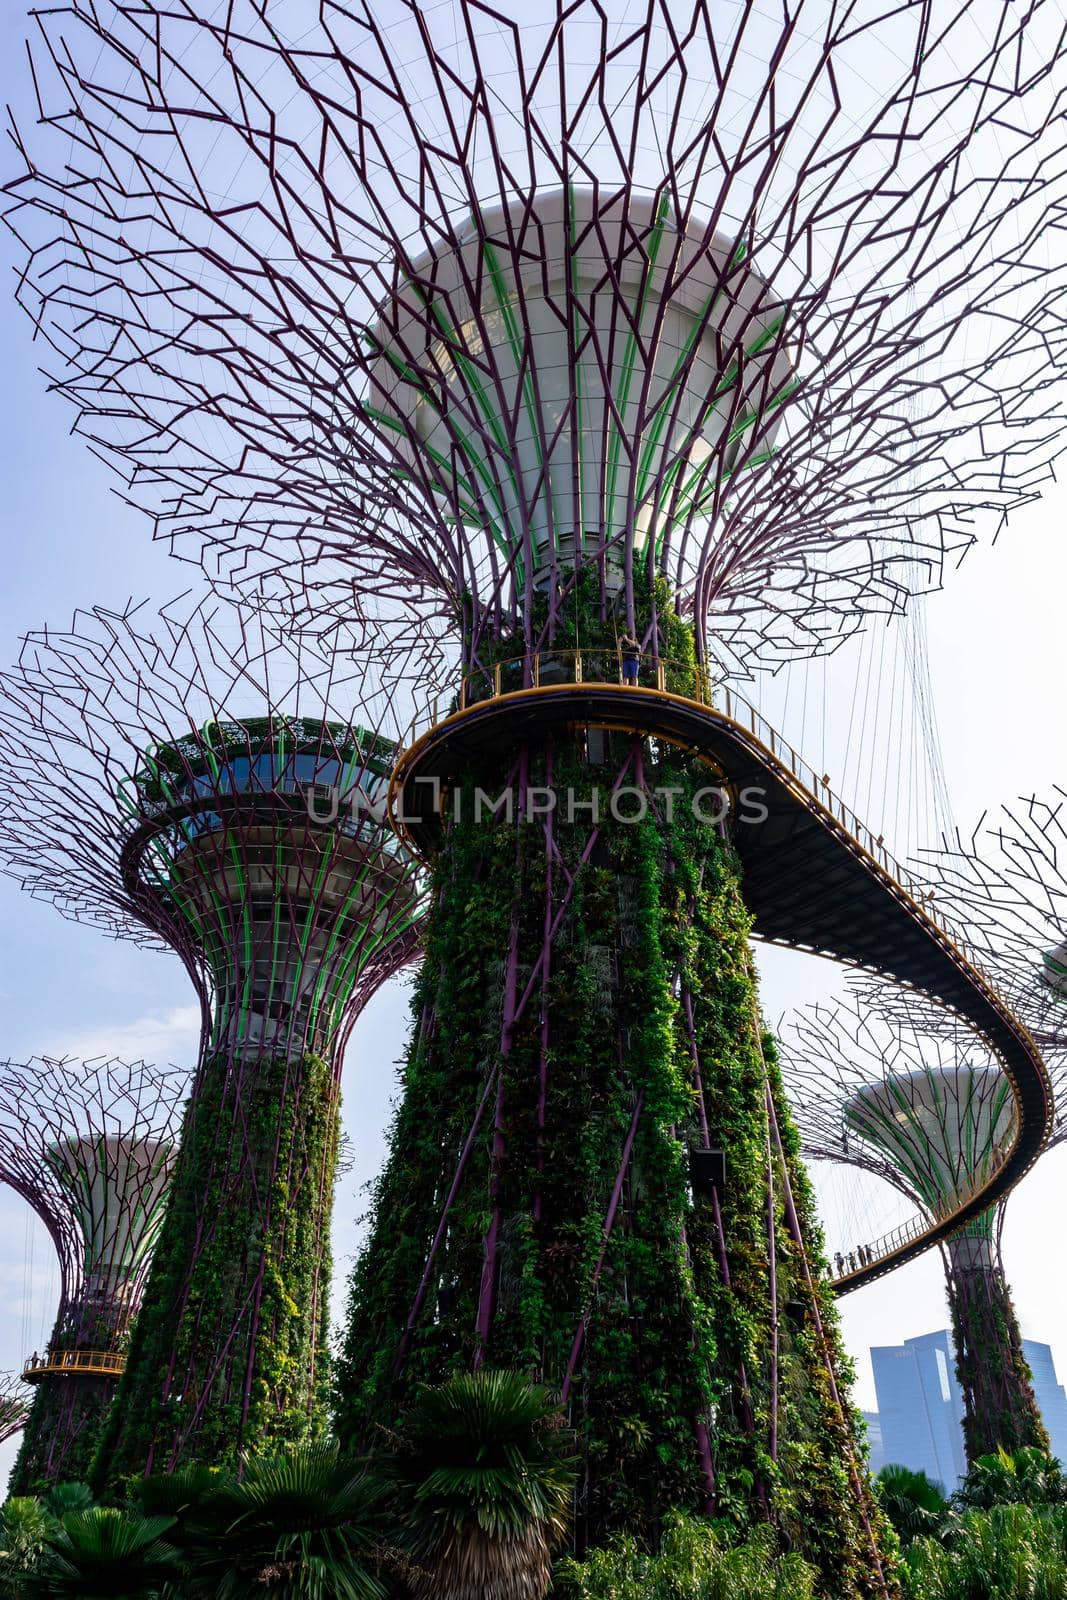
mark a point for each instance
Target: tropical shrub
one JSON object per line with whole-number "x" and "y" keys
{"x": 24, "y": 1526}
{"x": 693, "y": 1563}
{"x": 485, "y": 1484}
{"x": 304, "y": 1526}
{"x": 104, "y": 1554}
{"x": 1011, "y": 1552}
{"x": 914, "y": 1504}
{"x": 1024, "y": 1477}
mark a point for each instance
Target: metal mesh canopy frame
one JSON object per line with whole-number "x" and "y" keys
{"x": 14, "y": 1405}
{"x": 420, "y": 306}
{"x": 921, "y": 1107}
{"x": 90, "y": 1146}
{"x": 1007, "y": 884}
{"x": 254, "y": 847}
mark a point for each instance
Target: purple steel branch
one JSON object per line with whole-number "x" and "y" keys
{"x": 230, "y": 220}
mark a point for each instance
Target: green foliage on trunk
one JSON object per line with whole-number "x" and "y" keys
{"x": 1000, "y": 1409}
{"x": 61, "y": 1433}
{"x": 228, "y": 1355}
{"x": 654, "y": 912}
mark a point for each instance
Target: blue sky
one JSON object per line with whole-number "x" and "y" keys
{"x": 997, "y": 662}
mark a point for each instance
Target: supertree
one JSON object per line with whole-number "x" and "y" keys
{"x": 143, "y": 797}
{"x": 91, "y": 1146}
{"x": 467, "y": 301}
{"x": 592, "y": 344}
{"x": 915, "y": 1100}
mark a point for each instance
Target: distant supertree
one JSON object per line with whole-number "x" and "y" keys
{"x": 928, "y": 1111}
{"x": 609, "y": 347}
{"x": 90, "y": 1145}
{"x": 14, "y": 1405}
{"x": 141, "y": 796}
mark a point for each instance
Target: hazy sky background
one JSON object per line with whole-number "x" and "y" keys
{"x": 997, "y": 657}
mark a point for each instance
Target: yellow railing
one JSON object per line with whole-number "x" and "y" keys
{"x": 81, "y": 1363}
{"x": 552, "y": 668}
{"x": 548, "y": 668}
{"x": 865, "y": 1255}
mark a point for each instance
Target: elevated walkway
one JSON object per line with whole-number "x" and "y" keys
{"x": 74, "y": 1364}
{"x": 815, "y": 879}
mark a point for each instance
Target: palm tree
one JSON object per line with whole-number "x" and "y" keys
{"x": 306, "y": 1525}
{"x": 1026, "y": 1477}
{"x": 487, "y": 1486}
{"x": 182, "y": 1496}
{"x": 104, "y": 1554}
{"x": 914, "y": 1503}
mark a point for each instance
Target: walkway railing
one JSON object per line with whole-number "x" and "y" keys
{"x": 79, "y": 1363}
{"x": 554, "y": 668}
{"x": 866, "y": 1255}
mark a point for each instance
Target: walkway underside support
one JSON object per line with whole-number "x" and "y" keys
{"x": 593, "y": 1176}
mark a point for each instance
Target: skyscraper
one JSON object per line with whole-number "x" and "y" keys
{"x": 920, "y": 1406}
{"x": 919, "y": 1421}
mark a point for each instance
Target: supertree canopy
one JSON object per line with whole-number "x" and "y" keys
{"x": 922, "y": 1108}
{"x": 464, "y": 296}
{"x": 91, "y": 1146}
{"x": 142, "y": 797}
{"x": 608, "y": 346}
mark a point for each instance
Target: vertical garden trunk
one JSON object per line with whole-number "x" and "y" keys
{"x": 228, "y": 1354}
{"x": 1000, "y": 1409}
{"x": 593, "y": 1175}
{"x": 288, "y": 918}
{"x": 68, "y": 1410}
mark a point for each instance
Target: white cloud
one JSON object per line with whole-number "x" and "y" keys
{"x": 165, "y": 1038}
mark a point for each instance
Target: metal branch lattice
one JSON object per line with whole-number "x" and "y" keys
{"x": 138, "y": 797}
{"x": 14, "y": 1405}
{"x": 924, "y": 1108}
{"x": 420, "y": 307}
{"x": 90, "y": 1146}
{"x": 1007, "y": 884}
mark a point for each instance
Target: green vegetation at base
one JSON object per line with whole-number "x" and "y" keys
{"x": 1001, "y": 1536}
{"x": 306, "y": 1526}
{"x": 694, "y": 1562}
{"x": 228, "y": 1357}
{"x": 1010, "y": 1552}
{"x": 470, "y": 1502}
{"x": 470, "y": 1499}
